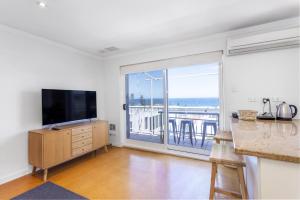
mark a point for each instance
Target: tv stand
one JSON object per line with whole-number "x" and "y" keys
{"x": 51, "y": 147}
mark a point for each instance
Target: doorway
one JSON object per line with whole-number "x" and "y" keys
{"x": 178, "y": 108}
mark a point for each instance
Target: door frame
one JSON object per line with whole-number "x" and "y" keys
{"x": 164, "y": 146}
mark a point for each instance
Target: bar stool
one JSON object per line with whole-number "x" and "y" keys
{"x": 173, "y": 124}
{"x": 223, "y": 136}
{"x": 207, "y": 123}
{"x": 191, "y": 131}
{"x": 222, "y": 154}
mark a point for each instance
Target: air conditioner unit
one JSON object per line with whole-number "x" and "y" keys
{"x": 264, "y": 42}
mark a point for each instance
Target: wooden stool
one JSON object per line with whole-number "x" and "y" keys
{"x": 223, "y": 136}
{"x": 224, "y": 155}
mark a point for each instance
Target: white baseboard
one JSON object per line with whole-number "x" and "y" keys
{"x": 15, "y": 175}
{"x": 117, "y": 144}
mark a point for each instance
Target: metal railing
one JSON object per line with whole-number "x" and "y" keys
{"x": 149, "y": 120}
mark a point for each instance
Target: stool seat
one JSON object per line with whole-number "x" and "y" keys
{"x": 224, "y": 154}
{"x": 187, "y": 121}
{"x": 223, "y": 136}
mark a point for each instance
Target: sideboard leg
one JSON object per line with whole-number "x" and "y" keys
{"x": 45, "y": 175}
{"x": 105, "y": 148}
{"x": 33, "y": 170}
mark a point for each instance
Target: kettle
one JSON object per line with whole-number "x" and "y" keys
{"x": 286, "y": 111}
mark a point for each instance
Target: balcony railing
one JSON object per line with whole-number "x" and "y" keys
{"x": 148, "y": 121}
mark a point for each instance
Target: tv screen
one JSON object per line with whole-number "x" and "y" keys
{"x": 67, "y": 105}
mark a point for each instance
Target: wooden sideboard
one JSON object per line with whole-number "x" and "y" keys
{"x": 48, "y": 148}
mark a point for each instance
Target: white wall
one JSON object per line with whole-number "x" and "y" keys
{"x": 272, "y": 74}
{"x": 27, "y": 64}
{"x": 261, "y": 68}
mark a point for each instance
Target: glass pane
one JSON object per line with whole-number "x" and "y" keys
{"x": 145, "y": 106}
{"x": 193, "y": 106}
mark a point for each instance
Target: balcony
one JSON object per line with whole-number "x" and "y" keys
{"x": 147, "y": 124}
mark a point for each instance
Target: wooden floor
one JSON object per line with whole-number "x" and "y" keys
{"x": 124, "y": 174}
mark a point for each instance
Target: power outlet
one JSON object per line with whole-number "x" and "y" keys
{"x": 112, "y": 127}
{"x": 252, "y": 99}
{"x": 276, "y": 99}
{"x": 112, "y": 133}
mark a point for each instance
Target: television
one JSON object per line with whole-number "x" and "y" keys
{"x": 60, "y": 106}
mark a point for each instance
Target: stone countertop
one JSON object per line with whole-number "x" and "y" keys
{"x": 277, "y": 140}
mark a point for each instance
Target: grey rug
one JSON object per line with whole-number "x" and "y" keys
{"x": 49, "y": 191}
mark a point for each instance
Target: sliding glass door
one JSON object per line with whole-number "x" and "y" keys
{"x": 145, "y": 106}
{"x": 193, "y": 107}
{"x": 178, "y": 107}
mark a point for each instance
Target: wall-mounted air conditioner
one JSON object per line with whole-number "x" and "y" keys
{"x": 264, "y": 42}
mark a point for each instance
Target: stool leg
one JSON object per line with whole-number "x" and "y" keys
{"x": 212, "y": 180}
{"x": 242, "y": 183}
{"x": 203, "y": 135}
{"x": 193, "y": 127}
{"x": 191, "y": 134}
{"x": 174, "y": 133}
{"x": 183, "y": 132}
{"x": 178, "y": 141}
{"x": 215, "y": 129}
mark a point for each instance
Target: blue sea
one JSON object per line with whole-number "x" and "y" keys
{"x": 190, "y": 102}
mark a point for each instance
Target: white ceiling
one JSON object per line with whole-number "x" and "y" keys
{"x": 92, "y": 25}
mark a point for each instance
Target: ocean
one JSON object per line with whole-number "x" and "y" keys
{"x": 184, "y": 102}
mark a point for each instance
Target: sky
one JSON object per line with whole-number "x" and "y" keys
{"x": 197, "y": 81}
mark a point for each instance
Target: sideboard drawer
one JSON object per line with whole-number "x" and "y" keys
{"x": 81, "y": 136}
{"x": 81, "y": 150}
{"x": 77, "y": 131}
{"x": 81, "y": 143}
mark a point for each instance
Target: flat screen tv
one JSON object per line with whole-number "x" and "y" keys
{"x": 60, "y": 106}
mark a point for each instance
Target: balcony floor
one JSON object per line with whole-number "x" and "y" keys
{"x": 186, "y": 143}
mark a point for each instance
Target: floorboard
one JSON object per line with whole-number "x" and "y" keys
{"x": 124, "y": 174}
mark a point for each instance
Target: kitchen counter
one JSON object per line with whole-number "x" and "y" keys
{"x": 277, "y": 140}
{"x": 272, "y": 153}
